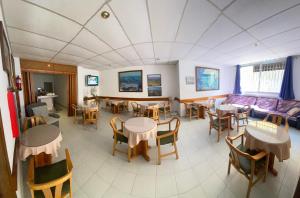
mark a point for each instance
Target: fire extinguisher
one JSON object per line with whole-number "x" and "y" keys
{"x": 19, "y": 82}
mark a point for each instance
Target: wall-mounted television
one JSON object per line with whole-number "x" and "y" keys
{"x": 92, "y": 80}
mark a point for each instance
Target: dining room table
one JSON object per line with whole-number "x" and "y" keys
{"x": 42, "y": 142}
{"x": 139, "y": 130}
{"x": 275, "y": 140}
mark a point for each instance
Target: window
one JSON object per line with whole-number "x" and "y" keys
{"x": 265, "y": 77}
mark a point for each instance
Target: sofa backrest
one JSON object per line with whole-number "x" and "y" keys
{"x": 285, "y": 105}
{"x": 241, "y": 100}
{"x": 267, "y": 103}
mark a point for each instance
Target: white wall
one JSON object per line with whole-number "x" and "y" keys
{"x": 187, "y": 68}
{"x": 39, "y": 79}
{"x": 109, "y": 83}
{"x": 84, "y": 90}
{"x": 296, "y": 79}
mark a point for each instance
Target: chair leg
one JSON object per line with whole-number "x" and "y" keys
{"x": 266, "y": 168}
{"x": 219, "y": 132}
{"x": 209, "y": 129}
{"x": 114, "y": 148}
{"x": 176, "y": 151}
{"x": 229, "y": 166}
{"x": 129, "y": 154}
{"x": 158, "y": 152}
{"x": 249, "y": 188}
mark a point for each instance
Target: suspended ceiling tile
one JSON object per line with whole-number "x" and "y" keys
{"x": 134, "y": 18}
{"x": 162, "y": 50}
{"x": 136, "y": 62}
{"x": 68, "y": 58}
{"x": 280, "y": 23}
{"x": 90, "y": 41}
{"x": 32, "y": 18}
{"x": 114, "y": 57}
{"x": 128, "y": 52}
{"x": 164, "y": 17}
{"x": 180, "y": 50}
{"x": 101, "y": 60}
{"x": 22, "y": 49}
{"x": 145, "y": 50}
{"x": 195, "y": 52}
{"x": 247, "y": 13}
{"x": 108, "y": 30}
{"x": 35, "y": 40}
{"x": 31, "y": 57}
{"x": 219, "y": 32}
{"x": 192, "y": 26}
{"x": 282, "y": 38}
{"x": 77, "y": 10}
{"x": 222, "y": 3}
{"x": 77, "y": 51}
{"x": 149, "y": 61}
{"x": 235, "y": 42}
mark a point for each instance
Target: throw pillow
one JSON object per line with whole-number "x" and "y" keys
{"x": 293, "y": 111}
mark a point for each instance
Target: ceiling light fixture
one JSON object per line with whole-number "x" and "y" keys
{"x": 105, "y": 14}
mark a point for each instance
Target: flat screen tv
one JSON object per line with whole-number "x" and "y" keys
{"x": 92, "y": 80}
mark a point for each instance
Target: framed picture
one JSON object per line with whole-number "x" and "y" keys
{"x": 154, "y": 80}
{"x": 131, "y": 81}
{"x": 189, "y": 80}
{"x": 154, "y": 91}
{"x": 6, "y": 57}
{"x": 207, "y": 79}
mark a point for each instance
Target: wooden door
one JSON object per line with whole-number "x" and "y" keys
{"x": 7, "y": 189}
{"x": 72, "y": 92}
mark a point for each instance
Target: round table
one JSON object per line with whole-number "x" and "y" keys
{"x": 139, "y": 130}
{"x": 271, "y": 138}
{"x": 227, "y": 108}
{"x": 40, "y": 139}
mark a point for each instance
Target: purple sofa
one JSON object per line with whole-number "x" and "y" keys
{"x": 261, "y": 106}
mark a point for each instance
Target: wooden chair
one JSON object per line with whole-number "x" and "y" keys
{"x": 119, "y": 136}
{"x": 126, "y": 105}
{"x": 211, "y": 103}
{"x": 90, "y": 116}
{"x": 135, "y": 108}
{"x": 166, "y": 109}
{"x": 190, "y": 110}
{"x": 153, "y": 112}
{"x": 51, "y": 181}
{"x": 168, "y": 137}
{"x": 219, "y": 123}
{"x": 77, "y": 110}
{"x": 242, "y": 116}
{"x": 248, "y": 163}
{"x": 107, "y": 104}
{"x": 277, "y": 119}
{"x": 32, "y": 121}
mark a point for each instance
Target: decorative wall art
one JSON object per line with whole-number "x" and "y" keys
{"x": 207, "y": 79}
{"x": 131, "y": 81}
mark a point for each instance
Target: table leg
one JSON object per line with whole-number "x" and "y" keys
{"x": 42, "y": 159}
{"x": 142, "y": 149}
{"x": 271, "y": 165}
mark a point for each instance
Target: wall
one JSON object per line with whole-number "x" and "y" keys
{"x": 296, "y": 79}
{"x": 61, "y": 89}
{"x": 109, "y": 83}
{"x": 187, "y": 68}
{"x": 84, "y": 90}
{"x": 39, "y": 79}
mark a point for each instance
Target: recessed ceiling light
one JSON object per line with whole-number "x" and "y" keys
{"x": 105, "y": 14}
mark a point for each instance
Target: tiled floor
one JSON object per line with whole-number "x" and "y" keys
{"x": 201, "y": 170}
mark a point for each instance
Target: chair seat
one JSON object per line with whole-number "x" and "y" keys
{"x": 245, "y": 163}
{"x": 121, "y": 138}
{"x": 223, "y": 123}
{"x": 166, "y": 140}
{"x": 49, "y": 173}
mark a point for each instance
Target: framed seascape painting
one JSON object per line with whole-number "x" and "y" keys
{"x": 154, "y": 80}
{"x": 154, "y": 91}
{"x": 131, "y": 81}
{"x": 207, "y": 79}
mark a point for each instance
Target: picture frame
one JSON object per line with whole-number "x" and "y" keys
{"x": 154, "y": 91}
{"x": 6, "y": 55}
{"x": 154, "y": 80}
{"x": 207, "y": 79}
{"x": 131, "y": 81}
{"x": 189, "y": 80}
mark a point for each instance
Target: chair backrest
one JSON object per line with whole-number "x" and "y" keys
{"x": 236, "y": 154}
{"x": 187, "y": 105}
{"x": 275, "y": 119}
{"x": 114, "y": 122}
{"x": 153, "y": 112}
{"x": 134, "y": 106}
{"x": 32, "y": 121}
{"x": 47, "y": 187}
{"x": 211, "y": 102}
{"x": 175, "y": 129}
{"x": 90, "y": 114}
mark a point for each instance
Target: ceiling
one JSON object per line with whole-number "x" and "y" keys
{"x": 140, "y": 32}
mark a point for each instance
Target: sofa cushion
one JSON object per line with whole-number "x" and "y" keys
{"x": 40, "y": 111}
{"x": 264, "y": 103}
{"x": 293, "y": 111}
{"x": 240, "y": 99}
{"x": 286, "y": 105}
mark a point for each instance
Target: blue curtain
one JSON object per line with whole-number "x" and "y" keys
{"x": 286, "y": 91}
{"x": 237, "y": 84}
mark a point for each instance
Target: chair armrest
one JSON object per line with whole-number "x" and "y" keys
{"x": 54, "y": 115}
{"x": 259, "y": 156}
{"x": 224, "y": 117}
{"x": 163, "y": 123}
{"x": 165, "y": 135}
{"x": 236, "y": 137}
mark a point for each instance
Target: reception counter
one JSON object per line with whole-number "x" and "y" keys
{"x": 48, "y": 99}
